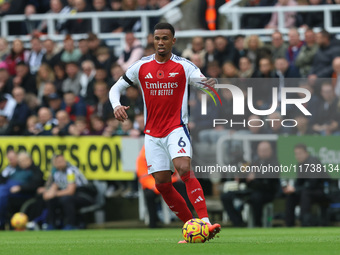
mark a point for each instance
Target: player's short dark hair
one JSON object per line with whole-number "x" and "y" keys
{"x": 301, "y": 146}
{"x": 165, "y": 26}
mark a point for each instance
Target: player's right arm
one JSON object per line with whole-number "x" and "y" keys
{"x": 128, "y": 79}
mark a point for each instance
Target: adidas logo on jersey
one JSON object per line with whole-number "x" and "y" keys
{"x": 182, "y": 151}
{"x": 199, "y": 199}
{"x": 148, "y": 76}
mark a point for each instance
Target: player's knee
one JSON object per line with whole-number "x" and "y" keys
{"x": 183, "y": 168}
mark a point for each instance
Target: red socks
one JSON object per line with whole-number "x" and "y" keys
{"x": 175, "y": 201}
{"x": 195, "y": 194}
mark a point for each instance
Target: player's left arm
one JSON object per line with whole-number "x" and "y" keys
{"x": 197, "y": 79}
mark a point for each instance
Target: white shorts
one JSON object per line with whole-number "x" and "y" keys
{"x": 160, "y": 152}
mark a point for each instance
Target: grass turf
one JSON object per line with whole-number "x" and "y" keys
{"x": 285, "y": 241}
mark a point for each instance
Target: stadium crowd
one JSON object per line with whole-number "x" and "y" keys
{"x": 60, "y": 89}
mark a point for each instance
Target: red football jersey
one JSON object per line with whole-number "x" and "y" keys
{"x": 165, "y": 91}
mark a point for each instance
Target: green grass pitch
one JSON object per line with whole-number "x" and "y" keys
{"x": 285, "y": 241}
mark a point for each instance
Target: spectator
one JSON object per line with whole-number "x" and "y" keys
{"x": 52, "y": 54}
{"x": 240, "y": 50}
{"x": 4, "y": 49}
{"x": 303, "y": 127}
{"x": 24, "y": 78}
{"x": 130, "y": 24}
{"x": 116, "y": 24}
{"x": 275, "y": 127}
{"x": 33, "y": 102}
{"x": 133, "y": 51}
{"x": 229, "y": 70}
{"x": 72, "y": 82}
{"x": 266, "y": 68}
{"x": 336, "y": 75}
{"x": 101, "y": 6}
{"x": 255, "y": 20}
{"x": 209, "y": 47}
{"x": 64, "y": 124}
{"x": 327, "y": 116}
{"x": 112, "y": 127}
{"x": 246, "y": 69}
{"x": 18, "y": 54}
{"x": 87, "y": 77}
{"x": 116, "y": 72}
{"x": 255, "y": 50}
{"x": 46, "y": 121}
{"x": 21, "y": 112}
{"x": 304, "y": 60}
{"x": 45, "y": 76}
{"x": 6, "y": 81}
{"x": 259, "y": 190}
{"x": 7, "y": 106}
{"x": 31, "y": 126}
{"x": 313, "y": 19}
{"x": 209, "y": 10}
{"x": 70, "y": 53}
{"x": 289, "y": 17}
{"x": 312, "y": 105}
{"x": 79, "y": 127}
{"x": 68, "y": 192}
{"x": 213, "y": 69}
{"x": 74, "y": 105}
{"x": 79, "y": 26}
{"x": 197, "y": 47}
{"x": 60, "y": 76}
{"x": 13, "y": 7}
{"x": 284, "y": 70}
{"x": 104, "y": 58}
{"x": 103, "y": 108}
{"x": 93, "y": 43}
{"x": 134, "y": 99}
{"x": 49, "y": 89}
{"x": 20, "y": 181}
{"x": 36, "y": 55}
{"x": 56, "y": 7}
{"x": 54, "y": 103}
{"x": 224, "y": 50}
{"x": 328, "y": 50}
{"x": 278, "y": 47}
{"x": 307, "y": 189}
{"x": 97, "y": 125}
{"x": 197, "y": 61}
{"x": 83, "y": 46}
{"x": 294, "y": 46}
{"x": 4, "y": 124}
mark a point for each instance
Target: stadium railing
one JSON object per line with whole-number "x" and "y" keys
{"x": 245, "y": 139}
{"x": 231, "y": 10}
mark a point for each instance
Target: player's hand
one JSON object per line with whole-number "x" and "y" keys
{"x": 120, "y": 112}
{"x": 210, "y": 82}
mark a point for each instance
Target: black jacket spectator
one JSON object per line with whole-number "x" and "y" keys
{"x": 328, "y": 50}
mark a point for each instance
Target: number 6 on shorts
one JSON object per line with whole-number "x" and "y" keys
{"x": 181, "y": 143}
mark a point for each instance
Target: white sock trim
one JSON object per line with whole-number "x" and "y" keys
{"x": 206, "y": 220}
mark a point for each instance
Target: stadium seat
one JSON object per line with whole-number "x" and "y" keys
{"x": 97, "y": 207}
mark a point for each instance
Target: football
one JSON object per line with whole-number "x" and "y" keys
{"x": 19, "y": 221}
{"x": 195, "y": 231}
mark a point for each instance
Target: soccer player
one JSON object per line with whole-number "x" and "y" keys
{"x": 163, "y": 78}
